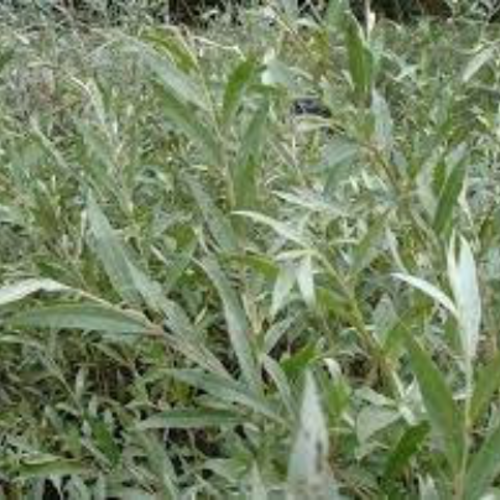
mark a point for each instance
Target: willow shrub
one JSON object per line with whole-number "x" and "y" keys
{"x": 206, "y": 296}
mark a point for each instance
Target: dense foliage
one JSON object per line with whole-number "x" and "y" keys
{"x": 206, "y": 295}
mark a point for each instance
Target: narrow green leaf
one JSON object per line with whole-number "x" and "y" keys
{"x": 50, "y": 148}
{"x": 487, "y": 383}
{"x": 130, "y": 282}
{"x": 86, "y": 317}
{"x": 172, "y": 78}
{"x": 300, "y": 361}
{"x": 169, "y": 41}
{"x": 360, "y": 59}
{"x": 112, "y": 253}
{"x": 309, "y": 474}
{"x": 448, "y": 197}
{"x": 237, "y": 323}
{"x": 464, "y": 283}
{"x": 133, "y": 283}
{"x": 125, "y": 493}
{"x": 312, "y": 201}
{"x": 104, "y": 439}
{"x": 305, "y": 281}
{"x": 404, "y": 450}
{"x": 41, "y": 466}
{"x": 283, "y": 287}
{"x": 160, "y": 465}
{"x": 339, "y": 160}
{"x": 191, "y": 347}
{"x": 278, "y": 376}
{"x": 369, "y": 246}
{"x": 22, "y": 289}
{"x": 238, "y": 83}
{"x": 430, "y": 290}
{"x": 282, "y": 229}
{"x": 191, "y": 124}
{"x": 445, "y": 418}
{"x": 476, "y": 63}
{"x": 228, "y": 390}
{"x": 383, "y": 122}
{"x": 196, "y": 418}
{"x": 101, "y": 169}
{"x": 484, "y": 467}
{"x": 218, "y": 224}
{"x": 244, "y": 171}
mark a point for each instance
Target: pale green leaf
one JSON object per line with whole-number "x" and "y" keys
{"x": 464, "y": 283}
{"x": 305, "y": 281}
{"x": 22, "y": 289}
{"x": 477, "y": 62}
{"x": 430, "y": 290}
{"x": 282, "y": 229}
{"x": 383, "y": 122}
{"x": 309, "y": 473}
{"x": 283, "y": 287}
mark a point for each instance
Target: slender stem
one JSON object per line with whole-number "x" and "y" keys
{"x": 462, "y": 472}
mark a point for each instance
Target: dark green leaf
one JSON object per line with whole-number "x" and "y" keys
{"x": 198, "y": 418}
{"x": 238, "y": 82}
{"x": 488, "y": 382}
{"x": 405, "y": 449}
{"x": 360, "y": 59}
{"x": 448, "y": 197}
{"x": 86, "y": 317}
{"x": 484, "y": 467}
